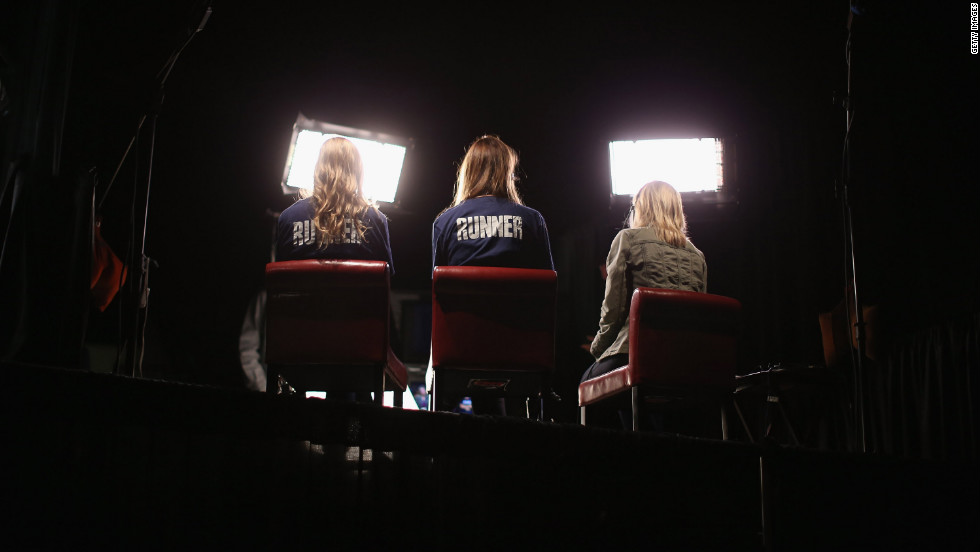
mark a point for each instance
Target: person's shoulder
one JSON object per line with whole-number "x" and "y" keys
{"x": 691, "y": 247}
{"x": 375, "y": 218}
{"x": 446, "y": 214}
{"x": 373, "y": 212}
{"x": 295, "y": 211}
{"x": 512, "y": 207}
{"x": 531, "y": 210}
{"x": 631, "y": 233}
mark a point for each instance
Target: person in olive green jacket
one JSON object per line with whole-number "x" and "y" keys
{"x": 653, "y": 251}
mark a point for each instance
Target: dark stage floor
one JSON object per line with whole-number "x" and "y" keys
{"x": 120, "y": 463}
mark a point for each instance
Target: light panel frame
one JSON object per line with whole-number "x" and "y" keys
{"x": 383, "y": 156}
{"x": 693, "y": 166}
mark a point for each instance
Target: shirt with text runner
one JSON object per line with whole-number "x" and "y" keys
{"x": 491, "y": 231}
{"x": 296, "y": 237}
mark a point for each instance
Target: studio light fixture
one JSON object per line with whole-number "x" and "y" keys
{"x": 383, "y": 156}
{"x": 690, "y": 165}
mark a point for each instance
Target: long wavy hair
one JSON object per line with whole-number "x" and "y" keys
{"x": 487, "y": 169}
{"x": 659, "y": 206}
{"x": 338, "y": 193}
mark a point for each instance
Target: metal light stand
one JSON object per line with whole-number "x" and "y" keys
{"x": 850, "y": 269}
{"x": 142, "y": 290}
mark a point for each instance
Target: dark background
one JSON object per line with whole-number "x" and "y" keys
{"x": 556, "y": 82}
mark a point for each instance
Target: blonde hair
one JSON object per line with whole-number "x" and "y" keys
{"x": 659, "y": 206}
{"x": 487, "y": 169}
{"x": 338, "y": 194}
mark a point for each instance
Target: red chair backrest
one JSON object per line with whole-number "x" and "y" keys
{"x": 683, "y": 338}
{"x": 323, "y": 311}
{"x": 493, "y": 318}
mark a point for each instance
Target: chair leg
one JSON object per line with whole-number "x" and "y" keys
{"x": 724, "y": 423}
{"x": 379, "y": 390}
{"x": 432, "y": 394}
{"x": 636, "y": 408}
{"x": 786, "y": 420}
{"x": 745, "y": 425}
{"x": 581, "y": 414}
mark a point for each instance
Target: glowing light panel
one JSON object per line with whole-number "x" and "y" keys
{"x": 687, "y": 164}
{"x": 383, "y": 158}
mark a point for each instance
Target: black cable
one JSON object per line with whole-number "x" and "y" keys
{"x": 161, "y": 76}
{"x": 855, "y": 327}
{"x": 15, "y": 170}
{"x": 137, "y": 293}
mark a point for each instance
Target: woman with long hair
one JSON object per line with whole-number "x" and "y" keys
{"x": 487, "y": 224}
{"x": 654, "y": 251}
{"x": 334, "y": 220}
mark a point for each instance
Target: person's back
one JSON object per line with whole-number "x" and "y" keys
{"x": 653, "y": 252}
{"x": 336, "y": 221}
{"x": 297, "y": 236}
{"x": 658, "y": 264}
{"x": 491, "y": 231}
{"x": 487, "y": 224}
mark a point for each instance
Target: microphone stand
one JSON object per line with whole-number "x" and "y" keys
{"x": 850, "y": 269}
{"x": 142, "y": 290}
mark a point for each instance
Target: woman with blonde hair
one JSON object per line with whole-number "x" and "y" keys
{"x": 653, "y": 251}
{"x": 487, "y": 224}
{"x": 334, "y": 220}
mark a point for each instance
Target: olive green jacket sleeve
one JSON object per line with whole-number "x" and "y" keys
{"x": 613, "y": 332}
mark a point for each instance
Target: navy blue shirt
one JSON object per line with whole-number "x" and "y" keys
{"x": 491, "y": 231}
{"x": 296, "y": 237}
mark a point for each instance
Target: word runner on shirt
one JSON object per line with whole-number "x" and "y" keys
{"x": 493, "y": 226}
{"x": 304, "y": 233}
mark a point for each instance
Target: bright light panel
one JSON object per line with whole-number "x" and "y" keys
{"x": 687, "y": 164}
{"x": 382, "y": 161}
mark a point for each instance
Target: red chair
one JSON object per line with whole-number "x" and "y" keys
{"x": 493, "y": 333}
{"x": 327, "y": 328}
{"x": 682, "y": 353}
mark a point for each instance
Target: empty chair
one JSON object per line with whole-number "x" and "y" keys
{"x": 327, "y": 328}
{"x": 682, "y": 352}
{"x": 493, "y": 333}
